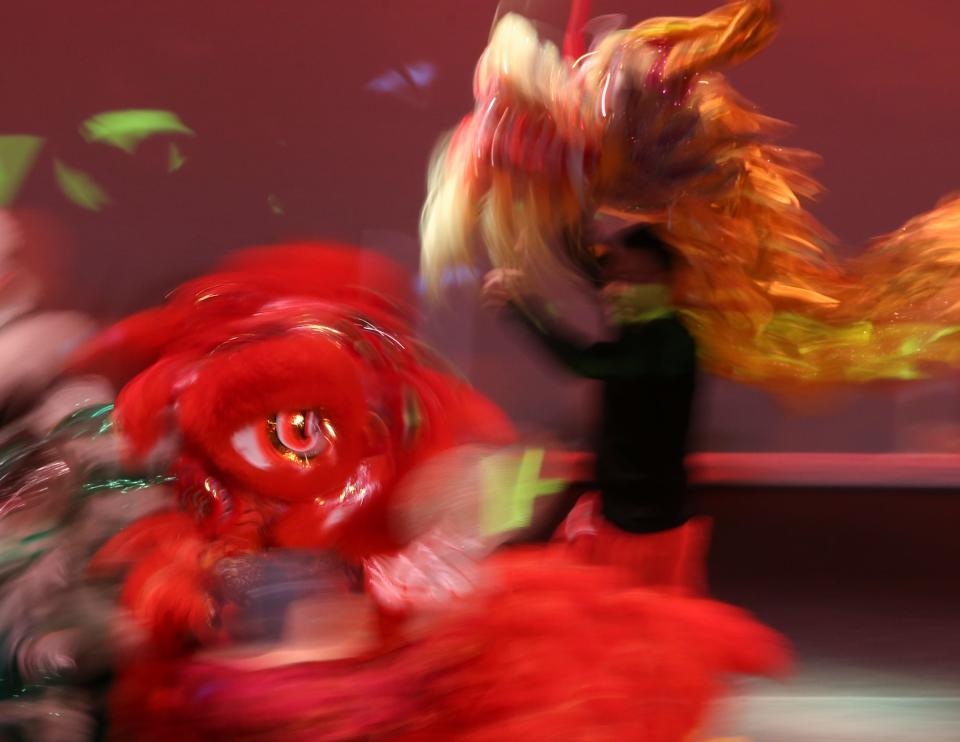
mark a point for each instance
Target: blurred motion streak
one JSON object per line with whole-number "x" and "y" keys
{"x": 644, "y": 128}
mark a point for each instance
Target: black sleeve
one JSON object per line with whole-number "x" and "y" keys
{"x": 597, "y": 361}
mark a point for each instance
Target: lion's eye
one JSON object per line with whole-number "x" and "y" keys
{"x": 298, "y": 437}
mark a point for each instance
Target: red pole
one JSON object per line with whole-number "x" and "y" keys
{"x": 574, "y": 45}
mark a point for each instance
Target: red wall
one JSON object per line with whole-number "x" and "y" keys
{"x": 276, "y": 93}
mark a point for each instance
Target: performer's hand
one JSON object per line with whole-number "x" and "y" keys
{"x": 500, "y": 286}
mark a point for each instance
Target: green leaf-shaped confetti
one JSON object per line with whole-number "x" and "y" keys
{"x": 17, "y": 155}
{"x": 87, "y": 422}
{"x": 176, "y": 159}
{"x": 126, "y": 129}
{"x": 79, "y": 187}
{"x": 275, "y": 205}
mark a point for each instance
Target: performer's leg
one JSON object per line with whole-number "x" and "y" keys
{"x": 673, "y": 558}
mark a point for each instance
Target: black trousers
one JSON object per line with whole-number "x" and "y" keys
{"x": 646, "y": 506}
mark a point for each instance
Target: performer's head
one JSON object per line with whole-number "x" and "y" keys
{"x": 635, "y": 255}
{"x": 635, "y": 273}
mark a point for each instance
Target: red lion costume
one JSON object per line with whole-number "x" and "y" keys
{"x": 295, "y": 414}
{"x": 552, "y": 650}
{"x": 294, "y": 395}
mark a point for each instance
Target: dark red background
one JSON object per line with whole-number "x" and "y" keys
{"x": 275, "y": 91}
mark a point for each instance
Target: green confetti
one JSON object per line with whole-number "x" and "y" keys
{"x": 126, "y": 129}
{"x": 275, "y": 206}
{"x": 79, "y": 187}
{"x": 509, "y": 504}
{"x": 40, "y": 535}
{"x": 28, "y": 549}
{"x": 86, "y": 422}
{"x": 176, "y": 160}
{"x": 125, "y": 484}
{"x": 17, "y": 155}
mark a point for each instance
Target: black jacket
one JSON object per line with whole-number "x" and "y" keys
{"x": 648, "y": 377}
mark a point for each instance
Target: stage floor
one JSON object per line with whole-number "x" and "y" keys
{"x": 865, "y": 584}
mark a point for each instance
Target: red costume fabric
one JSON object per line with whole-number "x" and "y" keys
{"x": 287, "y": 397}
{"x": 289, "y": 394}
{"x": 672, "y": 560}
{"x": 552, "y": 649}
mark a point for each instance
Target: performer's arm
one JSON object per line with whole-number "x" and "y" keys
{"x": 594, "y": 361}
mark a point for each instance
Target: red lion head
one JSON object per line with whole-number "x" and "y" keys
{"x": 288, "y": 394}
